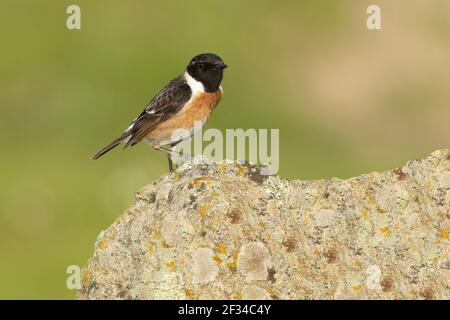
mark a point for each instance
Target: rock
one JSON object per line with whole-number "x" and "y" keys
{"x": 224, "y": 231}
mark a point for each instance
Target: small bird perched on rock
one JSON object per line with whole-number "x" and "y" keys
{"x": 186, "y": 100}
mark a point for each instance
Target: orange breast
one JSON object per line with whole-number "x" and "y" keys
{"x": 198, "y": 109}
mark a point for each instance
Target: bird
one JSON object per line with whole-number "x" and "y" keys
{"x": 185, "y": 102}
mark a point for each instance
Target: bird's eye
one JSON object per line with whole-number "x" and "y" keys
{"x": 201, "y": 66}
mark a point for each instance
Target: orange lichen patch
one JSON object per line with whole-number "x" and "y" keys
{"x": 214, "y": 194}
{"x": 443, "y": 234}
{"x": 217, "y": 259}
{"x": 222, "y": 167}
{"x": 221, "y": 248}
{"x": 315, "y": 252}
{"x": 198, "y": 182}
{"x": 189, "y": 294}
{"x": 157, "y": 234}
{"x": 170, "y": 265}
{"x": 330, "y": 296}
{"x": 366, "y": 213}
{"x": 120, "y": 217}
{"x": 440, "y": 214}
{"x": 237, "y": 295}
{"x": 240, "y": 169}
{"x": 370, "y": 198}
{"x": 397, "y": 226}
{"x": 202, "y": 210}
{"x": 86, "y": 277}
{"x": 385, "y": 231}
{"x": 151, "y": 248}
{"x": 358, "y": 264}
{"x": 305, "y": 221}
{"x": 164, "y": 244}
{"x": 380, "y": 210}
{"x": 357, "y": 287}
{"x": 103, "y": 244}
{"x": 270, "y": 291}
{"x": 233, "y": 263}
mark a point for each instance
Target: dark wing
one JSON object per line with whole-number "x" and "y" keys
{"x": 169, "y": 101}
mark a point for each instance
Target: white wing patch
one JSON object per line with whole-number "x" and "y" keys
{"x": 150, "y": 112}
{"x": 130, "y": 126}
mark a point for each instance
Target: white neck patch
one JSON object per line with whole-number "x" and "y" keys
{"x": 196, "y": 86}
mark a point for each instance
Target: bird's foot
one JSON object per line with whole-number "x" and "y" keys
{"x": 171, "y": 154}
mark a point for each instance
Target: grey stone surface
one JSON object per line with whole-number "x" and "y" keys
{"x": 223, "y": 231}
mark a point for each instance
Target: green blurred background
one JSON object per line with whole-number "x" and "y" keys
{"x": 346, "y": 100}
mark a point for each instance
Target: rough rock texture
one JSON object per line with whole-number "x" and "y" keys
{"x": 223, "y": 231}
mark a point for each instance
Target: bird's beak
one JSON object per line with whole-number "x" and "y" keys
{"x": 220, "y": 66}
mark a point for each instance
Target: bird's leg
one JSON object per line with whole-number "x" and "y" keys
{"x": 169, "y": 158}
{"x": 170, "y": 152}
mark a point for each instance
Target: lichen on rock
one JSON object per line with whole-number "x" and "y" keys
{"x": 224, "y": 231}
{"x": 254, "y": 261}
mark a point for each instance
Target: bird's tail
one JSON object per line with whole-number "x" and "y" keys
{"x": 109, "y": 147}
